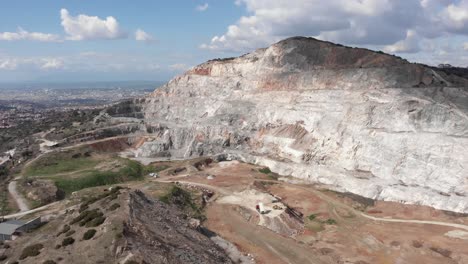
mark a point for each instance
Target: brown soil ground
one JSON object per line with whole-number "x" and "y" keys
{"x": 352, "y": 239}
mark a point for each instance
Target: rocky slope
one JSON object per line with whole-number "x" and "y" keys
{"x": 356, "y": 120}
{"x": 121, "y": 226}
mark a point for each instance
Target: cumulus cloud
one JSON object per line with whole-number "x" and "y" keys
{"x": 397, "y": 26}
{"x": 408, "y": 45}
{"x": 141, "y": 35}
{"x": 202, "y": 8}
{"x": 455, "y": 17}
{"x": 22, "y": 34}
{"x": 8, "y": 64}
{"x": 84, "y": 27}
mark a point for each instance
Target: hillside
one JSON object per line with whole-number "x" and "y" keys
{"x": 352, "y": 119}
{"x": 117, "y": 226}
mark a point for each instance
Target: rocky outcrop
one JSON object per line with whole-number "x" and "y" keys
{"x": 159, "y": 233}
{"x": 356, "y": 120}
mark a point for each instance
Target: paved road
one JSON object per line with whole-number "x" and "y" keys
{"x": 20, "y": 201}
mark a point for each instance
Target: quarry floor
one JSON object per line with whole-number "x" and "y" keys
{"x": 352, "y": 238}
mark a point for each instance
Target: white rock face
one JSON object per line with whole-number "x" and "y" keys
{"x": 356, "y": 120}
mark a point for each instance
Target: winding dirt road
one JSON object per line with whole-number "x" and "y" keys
{"x": 20, "y": 201}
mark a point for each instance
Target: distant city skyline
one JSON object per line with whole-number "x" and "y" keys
{"x": 58, "y": 41}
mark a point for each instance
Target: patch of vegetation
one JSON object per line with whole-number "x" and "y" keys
{"x": 67, "y": 241}
{"x": 49, "y": 262}
{"x": 31, "y": 251}
{"x": 265, "y": 170}
{"x": 70, "y": 233}
{"x": 132, "y": 171}
{"x": 4, "y": 206}
{"x": 155, "y": 169}
{"x": 113, "y": 207}
{"x": 89, "y": 234}
{"x": 65, "y": 229}
{"x": 330, "y": 221}
{"x": 115, "y": 191}
{"x": 86, "y": 216}
{"x": 96, "y": 221}
{"x": 312, "y": 217}
{"x": 183, "y": 199}
{"x": 56, "y": 163}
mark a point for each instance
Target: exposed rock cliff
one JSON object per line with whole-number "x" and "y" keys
{"x": 357, "y": 120}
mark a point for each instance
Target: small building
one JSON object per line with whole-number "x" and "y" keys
{"x": 9, "y": 228}
{"x": 12, "y": 228}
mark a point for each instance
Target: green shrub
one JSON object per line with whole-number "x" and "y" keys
{"x": 178, "y": 196}
{"x": 265, "y": 170}
{"x": 89, "y": 234}
{"x": 31, "y": 251}
{"x": 86, "y": 216}
{"x": 330, "y": 221}
{"x": 114, "y": 206}
{"x": 67, "y": 241}
{"x": 96, "y": 221}
{"x": 183, "y": 199}
{"x": 312, "y": 217}
{"x": 69, "y": 233}
{"x": 65, "y": 229}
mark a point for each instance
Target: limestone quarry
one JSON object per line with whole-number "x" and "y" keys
{"x": 352, "y": 119}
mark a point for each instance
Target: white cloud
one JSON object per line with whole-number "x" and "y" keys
{"x": 455, "y": 17}
{"x": 84, "y": 27}
{"x": 465, "y": 46}
{"x": 52, "y": 64}
{"x": 408, "y": 45}
{"x": 179, "y": 67}
{"x": 8, "y": 64}
{"x": 88, "y": 61}
{"x": 22, "y": 34}
{"x": 397, "y": 26}
{"x": 141, "y": 35}
{"x": 202, "y": 8}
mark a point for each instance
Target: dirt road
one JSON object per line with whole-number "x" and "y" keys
{"x": 20, "y": 201}
{"x": 21, "y": 214}
{"x": 415, "y": 222}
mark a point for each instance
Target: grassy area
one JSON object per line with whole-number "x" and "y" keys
{"x": 131, "y": 171}
{"x": 57, "y": 163}
{"x": 82, "y": 168}
{"x": 4, "y": 202}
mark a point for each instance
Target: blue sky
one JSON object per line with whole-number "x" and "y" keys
{"x": 75, "y": 40}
